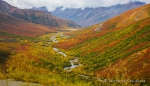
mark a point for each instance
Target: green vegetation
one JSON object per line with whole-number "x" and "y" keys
{"x": 14, "y": 36}
{"x": 7, "y": 34}
{"x": 112, "y": 26}
{"x": 104, "y": 50}
{"x": 33, "y": 62}
{"x": 101, "y": 58}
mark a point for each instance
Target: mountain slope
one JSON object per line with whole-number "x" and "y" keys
{"x": 36, "y": 16}
{"x": 102, "y": 45}
{"x": 11, "y": 25}
{"x": 90, "y": 16}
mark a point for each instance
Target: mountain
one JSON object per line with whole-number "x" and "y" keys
{"x": 10, "y": 26}
{"x": 36, "y": 16}
{"x": 43, "y": 8}
{"x": 119, "y": 46}
{"x": 90, "y": 16}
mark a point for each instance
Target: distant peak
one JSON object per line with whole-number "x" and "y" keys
{"x": 136, "y": 2}
{"x": 43, "y": 8}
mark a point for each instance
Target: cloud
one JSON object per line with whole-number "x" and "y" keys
{"x": 53, "y": 4}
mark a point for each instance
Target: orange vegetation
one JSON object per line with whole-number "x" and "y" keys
{"x": 111, "y": 25}
{"x": 111, "y": 33}
{"x": 136, "y": 65}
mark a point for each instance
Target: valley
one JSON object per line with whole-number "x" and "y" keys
{"x": 39, "y": 55}
{"x": 40, "y": 49}
{"x": 36, "y": 60}
{"x": 33, "y": 56}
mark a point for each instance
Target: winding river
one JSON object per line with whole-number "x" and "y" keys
{"x": 74, "y": 62}
{"x": 73, "y": 65}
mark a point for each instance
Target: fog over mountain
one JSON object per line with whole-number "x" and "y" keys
{"x": 91, "y": 16}
{"x": 53, "y": 4}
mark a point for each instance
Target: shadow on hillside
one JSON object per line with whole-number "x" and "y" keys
{"x": 3, "y": 56}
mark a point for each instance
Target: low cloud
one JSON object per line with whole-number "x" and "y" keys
{"x": 53, "y": 4}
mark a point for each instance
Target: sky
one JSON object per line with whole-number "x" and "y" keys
{"x": 53, "y": 4}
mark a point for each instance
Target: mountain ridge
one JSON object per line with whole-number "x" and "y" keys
{"x": 18, "y": 27}
{"x": 90, "y": 16}
{"x": 36, "y": 16}
{"x": 121, "y": 38}
{"x": 43, "y": 8}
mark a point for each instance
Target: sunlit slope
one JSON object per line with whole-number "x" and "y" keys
{"x": 135, "y": 66}
{"x": 11, "y": 25}
{"x": 128, "y": 17}
{"x": 101, "y": 45}
{"x": 109, "y": 26}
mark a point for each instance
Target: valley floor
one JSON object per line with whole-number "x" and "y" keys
{"x": 33, "y": 61}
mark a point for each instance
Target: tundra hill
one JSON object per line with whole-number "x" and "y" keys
{"x": 10, "y": 25}
{"x": 36, "y": 16}
{"x": 101, "y": 46}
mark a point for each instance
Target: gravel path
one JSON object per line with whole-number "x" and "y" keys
{"x": 16, "y": 83}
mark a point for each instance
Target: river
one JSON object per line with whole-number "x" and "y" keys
{"x": 74, "y": 62}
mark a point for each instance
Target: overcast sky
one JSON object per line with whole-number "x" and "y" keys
{"x": 52, "y": 4}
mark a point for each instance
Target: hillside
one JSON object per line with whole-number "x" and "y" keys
{"x": 91, "y": 16}
{"x": 10, "y": 25}
{"x": 36, "y": 16}
{"x": 113, "y": 53}
{"x": 122, "y": 41}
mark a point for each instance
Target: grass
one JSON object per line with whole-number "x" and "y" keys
{"x": 32, "y": 62}
{"x": 99, "y": 51}
{"x": 112, "y": 46}
{"x": 113, "y": 55}
{"x": 35, "y": 63}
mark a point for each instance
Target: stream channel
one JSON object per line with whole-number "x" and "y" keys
{"x": 73, "y": 61}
